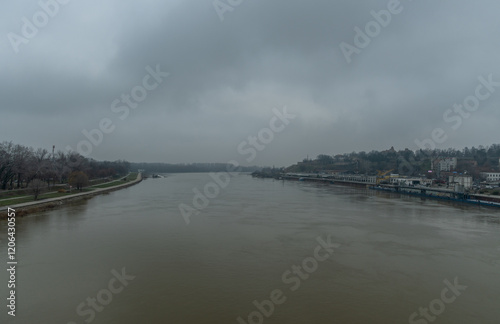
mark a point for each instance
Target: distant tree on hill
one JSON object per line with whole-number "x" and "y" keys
{"x": 324, "y": 159}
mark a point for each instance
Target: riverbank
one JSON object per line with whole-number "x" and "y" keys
{"x": 47, "y": 204}
{"x": 367, "y": 182}
{"x": 481, "y": 200}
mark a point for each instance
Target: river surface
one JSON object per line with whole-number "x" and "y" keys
{"x": 263, "y": 251}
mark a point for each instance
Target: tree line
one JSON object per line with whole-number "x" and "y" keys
{"x": 405, "y": 161}
{"x": 21, "y": 165}
{"x": 187, "y": 168}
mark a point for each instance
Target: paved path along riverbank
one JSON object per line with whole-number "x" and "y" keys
{"x": 39, "y": 205}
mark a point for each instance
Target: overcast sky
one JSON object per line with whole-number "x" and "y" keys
{"x": 226, "y": 76}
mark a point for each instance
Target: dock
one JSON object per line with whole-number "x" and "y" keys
{"x": 362, "y": 180}
{"x": 416, "y": 190}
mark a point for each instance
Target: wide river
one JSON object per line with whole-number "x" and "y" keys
{"x": 262, "y": 251}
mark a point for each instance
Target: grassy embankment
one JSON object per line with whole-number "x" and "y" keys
{"x": 23, "y": 198}
{"x": 130, "y": 177}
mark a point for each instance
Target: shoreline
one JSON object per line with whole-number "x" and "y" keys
{"x": 24, "y": 209}
{"x": 478, "y": 202}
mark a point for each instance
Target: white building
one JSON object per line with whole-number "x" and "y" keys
{"x": 403, "y": 181}
{"x": 491, "y": 176}
{"x": 355, "y": 178}
{"x": 465, "y": 181}
{"x": 444, "y": 164}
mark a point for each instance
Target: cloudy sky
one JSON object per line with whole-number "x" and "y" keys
{"x": 230, "y": 66}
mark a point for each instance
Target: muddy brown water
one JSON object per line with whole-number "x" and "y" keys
{"x": 263, "y": 251}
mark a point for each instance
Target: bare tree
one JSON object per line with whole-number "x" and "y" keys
{"x": 6, "y": 164}
{"x": 78, "y": 179}
{"x": 25, "y": 164}
{"x": 77, "y": 162}
{"x": 36, "y": 187}
{"x": 38, "y": 164}
{"x": 21, "y": 158}
{"x": 61, "y": 167}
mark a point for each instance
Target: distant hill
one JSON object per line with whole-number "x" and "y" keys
{"x": 187, "y": 168}
{"x": 406, "y": 162}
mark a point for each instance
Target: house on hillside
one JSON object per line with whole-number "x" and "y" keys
{"x": 491, "y": 176}
{"x": 444, "y": 164}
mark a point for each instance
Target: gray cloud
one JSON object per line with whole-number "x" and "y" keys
{"x": 225, "y": 77}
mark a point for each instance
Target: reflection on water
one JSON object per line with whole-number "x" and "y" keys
{"x": 394, "y": 254}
